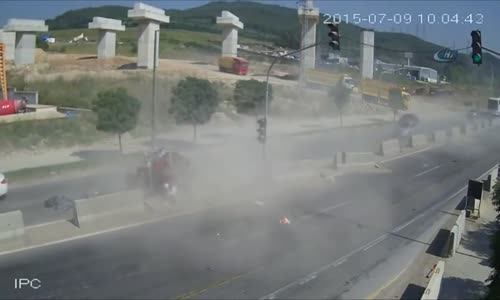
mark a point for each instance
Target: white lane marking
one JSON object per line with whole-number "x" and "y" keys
{"x": 335, "y": 263}
{"x": 401, "y": 227}
{"x": 87, "y": 235}
{"x": 375, "y": 242}
{"x": 334, "y": 206}
{"x": 408, "y": 154}
{"x": 368, "y": 245}
{"x": 338, "y": 263}
{"x": 45, "y": 224}
{"x": 427, "y": 171}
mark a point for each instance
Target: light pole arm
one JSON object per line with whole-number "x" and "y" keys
{"x": 269, "y": 72}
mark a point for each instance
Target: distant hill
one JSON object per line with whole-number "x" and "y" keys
{"x": 80, "y": 18}
{"x": 280, "y": 25}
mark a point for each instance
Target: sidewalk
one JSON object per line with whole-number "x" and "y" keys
{"x": 466, "y": 273}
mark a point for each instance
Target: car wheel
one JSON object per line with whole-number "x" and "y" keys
{"x": 3, "y": 197}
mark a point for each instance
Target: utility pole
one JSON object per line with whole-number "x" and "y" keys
{"x": 153, "y": 103}
{"x": 266, "y": 109}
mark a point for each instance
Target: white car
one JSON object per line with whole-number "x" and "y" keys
{"x": 3, "y": 186}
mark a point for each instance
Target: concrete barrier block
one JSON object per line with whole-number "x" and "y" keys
{"x": 86, "y": 211}
{"x": 11, "y": 225}
{"x": 390, "y": 147}
{"x": 353, "y": 158}
{"x": 418, "y": 140}
{"x": 434, "y": 285}
{"x": 453, "y": 240}
{"x": 439, "y": 136}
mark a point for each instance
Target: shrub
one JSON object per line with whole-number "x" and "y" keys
{"x": 250, "y": 95}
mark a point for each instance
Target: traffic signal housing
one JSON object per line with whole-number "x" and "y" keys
{"x": 477, "y": 52}
{"x": 334, "y": 35}
{"x": 261, "y": 130}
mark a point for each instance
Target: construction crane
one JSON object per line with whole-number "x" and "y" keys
{"x": 8, "y": 107}
{"x": 3, "y": 72}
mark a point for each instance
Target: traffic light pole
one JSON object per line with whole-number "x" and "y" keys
{"x": 491, "y": 51}
{"x": 153, "y": 104}
{"x": 266, "y": 108}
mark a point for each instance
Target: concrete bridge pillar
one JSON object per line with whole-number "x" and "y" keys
{"x": 106, "y": 46}
{"x": 149, "y": 19}
{"x": 25, "y": 34}
{"x": 230, "y": 25}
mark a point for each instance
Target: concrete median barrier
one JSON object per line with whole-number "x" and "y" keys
{"x": 439, "y": 136}
{"x": 418, "y": 140}
{"x": 390, "y": 147}
{"x": 115, "y": 207}
{"x": 456, "y": 234}
{"x": 357, "y": 158}
{"x": 11, "y": 226}
{"x": 434, "y": 285}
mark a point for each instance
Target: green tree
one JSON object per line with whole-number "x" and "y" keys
{"x": 194, "y": 101}
{"x": 341, "y": 96}
{"x": 117, "y": 112}
{"x": 250, "y": 95}
{"x": 396, "y": 101}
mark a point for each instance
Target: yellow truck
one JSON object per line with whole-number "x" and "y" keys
{"x": 315, "y": 77}
{"x": 381, "y": 92}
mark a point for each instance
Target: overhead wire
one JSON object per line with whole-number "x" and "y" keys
{"x": 400, "y": 50}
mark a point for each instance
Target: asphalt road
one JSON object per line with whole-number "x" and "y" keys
{"x": 337, "y": 235}
{"x": 314, "y": 145}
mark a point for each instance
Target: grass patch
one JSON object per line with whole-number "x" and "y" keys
{"x": 49, "y": 133}
{"x": 174, "y": 43}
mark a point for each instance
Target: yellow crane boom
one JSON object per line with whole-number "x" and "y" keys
{"x": 3, "y": 72}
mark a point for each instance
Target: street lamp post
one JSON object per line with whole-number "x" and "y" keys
{"x": 153, "y": 103}
{"x": 266, "y": 107}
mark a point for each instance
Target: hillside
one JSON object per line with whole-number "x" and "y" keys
{"x": 280, "y": 26}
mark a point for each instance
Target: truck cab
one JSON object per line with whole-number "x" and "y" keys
{"x": 234, "y": 65}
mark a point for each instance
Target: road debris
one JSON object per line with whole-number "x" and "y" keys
{"x": 259, "y": 203}
{"x": 284, "y": 220}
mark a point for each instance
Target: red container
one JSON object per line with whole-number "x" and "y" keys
{"x": 9, "y": 107}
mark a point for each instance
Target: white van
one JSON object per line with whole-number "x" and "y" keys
{"x": 494, "y": 106}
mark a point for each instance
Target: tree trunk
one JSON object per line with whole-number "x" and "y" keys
{"x": 120, "y": 142}
{"x": 341, "y": 121}
{"x": 394, "y": 116}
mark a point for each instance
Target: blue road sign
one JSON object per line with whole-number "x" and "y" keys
{"x": 445, "y": 55}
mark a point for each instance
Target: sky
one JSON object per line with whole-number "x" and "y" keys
{"x": 428, "y": 18}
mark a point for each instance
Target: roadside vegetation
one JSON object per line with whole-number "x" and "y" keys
{"x": 117, "y": 112}
{"x": 188, "y": 101}
{"x": 250, "y": 96}
{"x": 494, "y": 285}
{"x": 194, "y": 101}
{"x": 31, "y": 135}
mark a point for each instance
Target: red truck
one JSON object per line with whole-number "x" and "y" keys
{"x": 9, "y": 107}
{"x": 234, "y": 65}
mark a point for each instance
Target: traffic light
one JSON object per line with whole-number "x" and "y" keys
{"x": 261, "y": 130}
{"x": 334, "y": 35}
{"x": 477, "y": 53}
